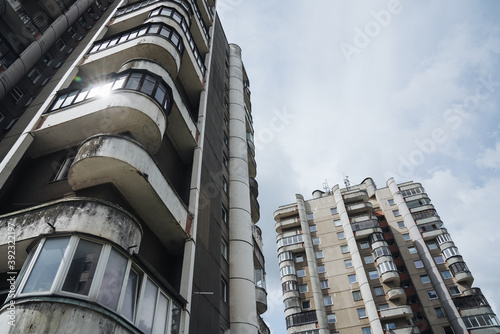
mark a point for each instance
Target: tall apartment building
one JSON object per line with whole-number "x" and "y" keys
{"x": 128, "y": 197}
{"x": 366, "y": 260}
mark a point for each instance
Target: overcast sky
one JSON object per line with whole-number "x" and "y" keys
{"x": 403, "y": 89}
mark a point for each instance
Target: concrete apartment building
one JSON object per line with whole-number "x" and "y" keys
{"x": 128, "y": 198}
{"x": 366, "y": 260}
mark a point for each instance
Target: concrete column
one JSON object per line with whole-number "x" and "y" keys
{"x": 434, "y": 274}
{"x": 313, "y": 268}
{"x": 364, "y": 286}
{"x": 242, "y": 301}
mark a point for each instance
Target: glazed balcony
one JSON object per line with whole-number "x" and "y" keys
{"x": 90, "y": 216}
{"x": 471, "y": 301}
{"x": 252, "y": 165}
{"x": 254, "y": 208}
{"x": 261, "y": 298}
{"x": 397, "y": 295}
{"x": 251, "y": 145}
{"x": 302, "y": 318}
{"x": 116, "y": 105}
{"x": 359, "y": 208}
{"x": 355, "y": 195}
{"x": 396, "y": 312}
{"x": 286, "y": 223}
{"x": 125, "y": 163}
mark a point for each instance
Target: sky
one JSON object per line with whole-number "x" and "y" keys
{"x": 403, "y": 89}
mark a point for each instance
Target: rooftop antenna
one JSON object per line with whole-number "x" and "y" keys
{"x": 346, "y": 182}
{"x": 326, "y": 188}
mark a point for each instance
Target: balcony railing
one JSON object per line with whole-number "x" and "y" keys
{"x": 468, "y": 302}
{"x": 363, "y": 225}
{"x": 200, "y": 19}
{"x": 302, "y": 318}
{"x": 130, "y": 8}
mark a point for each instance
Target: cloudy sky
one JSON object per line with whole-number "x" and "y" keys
{"x": 403, "y": 89}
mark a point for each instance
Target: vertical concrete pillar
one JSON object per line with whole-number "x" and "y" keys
{"x": 242, "y": 302}
{"x": 436, "y": 279}
{"x": 364, "y": 286}
{"x": 313, "y": 268}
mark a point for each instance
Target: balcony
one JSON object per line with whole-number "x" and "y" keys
{"x": 390, "y": 277}
{"x": 403, "y": 330}
{"x": 359, "y": 208}
{"x": 261, "y": 298}
{"x": 89, "y": 216}
{"x": 286, "y": 223}
{"x": 254, "y": 186}
{"x": 396, "y": 312}
{"x": 285, "y": 211}
{"x": 263, "y": 329}
{"x": 254, "y": 208}
{"x": 252, "y": 166}
{"x": 433, "y": 234}
{"x": 464, "y": 277}
{"x": 397, "y": 295}
{"x": 355, "y": 196}
{"x": 365, "y": 228}
{"x": 125, "y": 163}
{"x": 250, "y": 143}
{"x": 299, "y": 319}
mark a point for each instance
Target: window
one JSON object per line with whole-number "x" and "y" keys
{"x": 224, "y": 215}
{"x": 356, "y": 295}
{"x": 432, "y": 294}
{"x": 301, "y": 273}
{"x": 319, "y": 255}
{"x": 327, "y": 300}
{"x": 226, "y": 140}
{"x": 364, "y": 245}
{"x": 450, "y": 252}
{"x": 225, "y": 160}
{"x": 289, "y": 286}
{"x": 285, "y": 256}
{"x": 412, "y": 250}
{"x": 334, "y": 211}
{"x": 480, "y": 320}
{"x": 455, "y": 291}
{"x": 401, "y": 224}
{"x": 418, "y": 264}
{"x": 379, "y": 291}
{"x": 383, "y": 306}
{"x": 439, "y": 312}
{"x": 432, "y": 245}
{"x": 352, "y": 278}
{"x": 390, "y": 201}
{"x": 321, "y": 269}
{"x": 291, "y": 302}
{"x": 306, "y": 305}
{"x": 366, "y": 330}
{"x": 224, "y": 185}
{"x": 288, "y": 270}
{"x": 340, "y": 235}
{"x": 396, "y": 213}
{"x": 386, "y": 266}
{"x": 368, "y": 259}
{"x": 348, "y": 263}
{"x": 406, "y": 237}
{"x": 389, "y": 326}
{"x": 223, "y": 249}
{"x": 310, "y": 216}
{"x": 316, "y": 241}
{"x": 16, "y": 94}
{"x": 312, "y": 228}
{"x": 361, "y": 313}
{"x": 425, "y": 279}
{"x": 303, "y": 288}
{"x": 446, "y": 274}
{"x": 62, "y": 173}
{"x": 337, "y": 223}
{"x": 324, "y": 284}
{"x": 60, "y": 44}
{"x": 448, "y": 330}
{"x": 223, "y": 290}
{"x": 34, "y": 75}
{"x": 373, "y": 274}
{"x": 344, "y": 249}
{"x": 299, "y": 258}
{"x": 438, "y": 259}
{"x": 331, "y": 318}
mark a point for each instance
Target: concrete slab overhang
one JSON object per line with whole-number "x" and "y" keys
{"x": 396, "y": 312}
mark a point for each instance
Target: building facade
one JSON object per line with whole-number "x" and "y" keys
{"x": 367, "y": 260}
{"x": 128, "y": 198}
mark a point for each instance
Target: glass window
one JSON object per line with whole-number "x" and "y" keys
{"x": 356, "y": 295}
{"x": 337, "y": 222}
{"x": 301, "y": 273}
{"x": 344, "y": 249}
{"x": 331, "y": 318}
{"x": 321, "y": 269}
{"x": 366, "y": 330}
{"x": 133, "y": 81}
{"x": 432, "y": 245}
{"x": 352, "y": 279}
{"x": 412, "y": 250}
{"x": 306, "y": 305}
{"x": 446, "y": 274}
{"x": 373, "y": 274}
{"x": 396, "y": 213}
{"x": 361, "y": 313}
{"x": 224, "y": 215}
{"x": 438, "y": 259}
{"x": 310, "y": 216}
{"x": 390, "y": 201}
{"x": 303, "y": 288}
{"x": 439, "y": 312}
{"x": 160, "y": 94}
{"x": 112, "y": 281}
{"x": 425, "y": 279}
{"x": 379, "y": 291}
{"x": 312, "y": 228}
{"x": 327, "y": 300}
{"x": 340, "y": 235}
{"x": 176, "y": 319}
{"x": 223, "y": 249}
{"x": 406, "y": 237}
{"x": 348, "y": 263}
{"x": 82, "y": 268}
{"x": 316, "y": 241}
{"x": 160, "y": 323}
{"x": 368, "y": 259}
{"x": 324, "y": 284}
{"x": 148, "y": 305}
{"x": 319, "y": 255}
{"x": 334, "y": 211}
{"x": 44, "y": 271}
{"x": 383, "y": 306}
{"x": 401, "y": 224}
{"x": 299, "y": 258}
{"x": 130, "y": 298}
{"x": 455, "y": 291}
{"x": 223, "y": 290}
{"x": 418, "y": 264}
{"x": 432, "y": 294}
{"x": 364, "y": 245}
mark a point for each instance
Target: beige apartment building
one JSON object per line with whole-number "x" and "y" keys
{"x": 363, "y": 260}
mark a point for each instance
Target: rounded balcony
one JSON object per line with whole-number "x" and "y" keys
{"x": 286, "y": 211}
{"x": 286, "y": 223}
{"x": 252, "y": 165}
{"x": 125, "y": 163}
{"x": 261, "y": 298}
{"x": 396, "y": 312}
{"x": 355, "y": 196}
{"x": 357, "y": 208}
{"x": 397, "y": 295}
{"x": 464, "y": 277}
{"x": 134, "y": 101}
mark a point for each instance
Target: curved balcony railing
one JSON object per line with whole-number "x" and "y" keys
{"x": 86, "y": 272}
{"x": 285, "y": 211}
{"x": 397, "y": 294}
{"x": 355, "y": 195}
{"x": 136, "y": 5}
